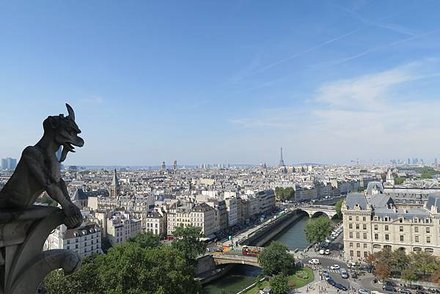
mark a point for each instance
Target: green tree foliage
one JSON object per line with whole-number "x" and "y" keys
{"x": 317, "y": 229}
{"x": 427, "y": 172}
{"x": 399, "y": 180}
{"x": 132, "y": 269}
{"x": 275, "y": 259}
{"x": 338, "y": 207}
{"x": 398, "y": 264}
{"x": 146, "y": 240}
{"x": 137, "y": 266}
{"x": 283, "y": 194}
{"x": 84, "y": 280}
{"x": 280, "y": 284}
{"x": 188, "y": 242}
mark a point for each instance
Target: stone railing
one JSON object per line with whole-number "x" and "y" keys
{"x": 23, "y": 264}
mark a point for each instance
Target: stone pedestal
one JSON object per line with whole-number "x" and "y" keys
{"x": 23, "y": 264}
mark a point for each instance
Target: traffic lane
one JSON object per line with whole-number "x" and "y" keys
{"x": 325, "y": 264}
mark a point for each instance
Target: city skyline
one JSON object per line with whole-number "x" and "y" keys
{"x": 224, "y": 82}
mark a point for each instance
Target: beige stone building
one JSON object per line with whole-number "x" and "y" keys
{"x": 373, "y": 223}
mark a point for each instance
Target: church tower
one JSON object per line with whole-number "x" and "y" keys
{"x": 115, "y": 189}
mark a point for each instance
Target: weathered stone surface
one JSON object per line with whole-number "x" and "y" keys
{"x": 24, "y": 227}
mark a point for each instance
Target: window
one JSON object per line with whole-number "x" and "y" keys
{"x": 365, "y": 245}
{"x": 357, "y": 218}
{"x": 386, "y": 227}
{"x": 351, "y": 244}
{"x": 387, "y": 237}
{"x": 365, "y": 236}
{"x": 358, "y": 253}
{"x": 365, "y": 254}
{"x": 357, "y": 226}
{"x": 364, "y": 226}
{"x": 350, "y": 217}
{"x": 350, "y": 234}
{"x": 416, "y": 239}
{"x": 416, "y": 229}
{"x": 428, "y": 239}
{"x": 364, "y": 218}
{"x": 428, "y": 230}
{"x": 350, "y": 226}
{"x": 358, "y": 245}
{"x": 376, "y": 236}
{"x": 401, "y": 238}
{"x": 351, "y": 252}
{"x": 358, "y": 235}
{"x": 376, "y": 227}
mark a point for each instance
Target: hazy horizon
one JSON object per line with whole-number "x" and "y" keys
{"x": 226, "y": 82}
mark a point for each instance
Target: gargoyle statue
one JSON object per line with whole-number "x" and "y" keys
{"x": 39, "y": 169}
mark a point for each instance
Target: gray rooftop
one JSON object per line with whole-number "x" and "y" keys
{"x": 356, "y": 198}
{"x": 381, "y": 200}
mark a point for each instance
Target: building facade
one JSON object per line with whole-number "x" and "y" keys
{"x": 377, "y": 222}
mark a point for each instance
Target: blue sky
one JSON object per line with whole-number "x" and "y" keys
{"x": 224, "y": 81}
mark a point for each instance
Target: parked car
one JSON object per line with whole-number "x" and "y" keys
{"x": 363, "y": 291}
{"x": 340, "y": 287}
{"x": 327, "y": 251}
{"x": 404, "y": 291}
{"x": 388, "y": 287}
{"x": 335, "y": 267}
{"x": 331, "y": 281}
{"x": 322, "y": 251}
{"x": 326, "y": 275}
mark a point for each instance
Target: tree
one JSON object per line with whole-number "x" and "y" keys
{"x": 84, "y": 280}
{"x": 280, "y": 284}
{"x": 146, "y": 240}
{"x": 338, "y": 207}
{"x": 409, "y": 274}
{"x": 424, "y": 262}
{"x": 275, "y": 259}
{"x": 188, "y": 242}
{"x": 382, "y": 270}
{"x": 318, "y": 229}
{"x": 283, "y": 194}
{"x": 399, "y": 261}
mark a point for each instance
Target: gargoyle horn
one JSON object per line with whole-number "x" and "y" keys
{"x": 71, "y": 112}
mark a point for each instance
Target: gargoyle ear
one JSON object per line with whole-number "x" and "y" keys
{"x": 71, "y": 112}
{"x": 52, "y": 122}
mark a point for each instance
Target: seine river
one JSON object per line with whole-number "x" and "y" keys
{"x": 242, "y": 276}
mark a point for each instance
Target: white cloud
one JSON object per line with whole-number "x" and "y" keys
{"x": 370, "y": 116}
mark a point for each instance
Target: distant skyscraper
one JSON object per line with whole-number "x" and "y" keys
{"x": 9, "y": 163}
{"x": 175, "y": 165}
{"x": 163, "y": 166}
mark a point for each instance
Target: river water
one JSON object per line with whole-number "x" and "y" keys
{"x": 242, "y": 276}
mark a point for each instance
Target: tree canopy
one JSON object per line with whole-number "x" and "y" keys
{"x": 141, "y": 265}
{"x": 338, "y": 207}
{"x": 317, "y": 229}
{"x": 283, "y": 194}
{"x": 280, "y": 284}
{"x": 275, "y": 259}
{"x": 188, "y": 242}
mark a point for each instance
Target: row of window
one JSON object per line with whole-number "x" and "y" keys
{"x": 402, "y": 238}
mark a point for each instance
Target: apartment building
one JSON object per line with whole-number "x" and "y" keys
{"x": 373, "y": 223}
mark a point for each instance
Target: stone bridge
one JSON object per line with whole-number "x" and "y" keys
{"x": 313, "y": 210}
{"x": 220, "y": 259}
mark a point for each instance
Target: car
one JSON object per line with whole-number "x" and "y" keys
{"x": 327, "y": 251}
{"x": 326, "y": 275}
{"x": 388, "y": 287}
{"x": 344, "y": 273}
{"x": 335, "y": 267}
{"x": 340, "y": 287}
{"x": 322, "y": 251}
{"x": 331, "y": 281}
{"x": 314, "y": 261}
{"x": 404, "y": 291}
{"x": 363, "y": 291}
